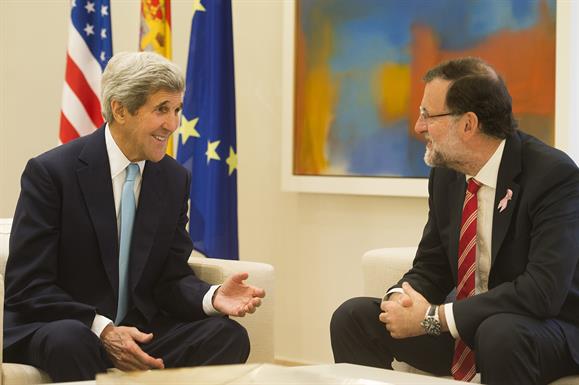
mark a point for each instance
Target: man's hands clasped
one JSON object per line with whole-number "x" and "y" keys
{"x": 403, "y": 312}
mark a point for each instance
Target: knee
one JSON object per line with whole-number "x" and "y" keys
{"x": 231, "y": 341}
{"x": 345, "y": 315}
{"x": 231, "y": 332}
{"x": 500, "y": 339}
{"x": 68, "y": 350}
{"x": 237, "y": 332}
{"x": 66, "y": 337}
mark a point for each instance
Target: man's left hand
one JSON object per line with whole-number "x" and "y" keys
{"x": 402, "y": 320}
{"x": 236, "y": 298}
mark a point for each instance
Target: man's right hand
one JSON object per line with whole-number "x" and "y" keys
{"x": 121, "y": 344}
{"x": 402, "y": 298}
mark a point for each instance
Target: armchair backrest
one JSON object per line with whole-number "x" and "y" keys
{"x": 384, "y": 267}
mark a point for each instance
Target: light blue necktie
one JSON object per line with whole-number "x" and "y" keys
{"x": 128, "y": 208}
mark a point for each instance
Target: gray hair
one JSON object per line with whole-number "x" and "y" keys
{"x": 130, "y": 77}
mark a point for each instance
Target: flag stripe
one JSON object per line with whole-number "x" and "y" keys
{"x": 67, "y": 131}
{"x": 78, "y": 84}
{"x": 74, "y": 111}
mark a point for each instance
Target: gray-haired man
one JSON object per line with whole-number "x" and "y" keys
{"x": 63, "y": 276}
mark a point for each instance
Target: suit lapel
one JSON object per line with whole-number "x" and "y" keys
{"x": 509, "y": 169}
{"x": 456, "y": 199}
{"x": 94, "y": 178}
{"x": 146, "y": 223}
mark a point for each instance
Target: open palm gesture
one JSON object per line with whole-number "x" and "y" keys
{"x": 236, "y": 298}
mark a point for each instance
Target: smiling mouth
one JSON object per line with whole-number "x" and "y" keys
{"x": 160, "y": 138}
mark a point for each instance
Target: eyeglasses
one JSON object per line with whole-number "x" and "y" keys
{"x": 425, "y": 116}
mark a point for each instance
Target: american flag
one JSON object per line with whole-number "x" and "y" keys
{"x": 89, "y": 50}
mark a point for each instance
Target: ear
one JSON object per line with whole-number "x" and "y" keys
{"x": 119, "y": 111}
{"x": 471, "y": 124}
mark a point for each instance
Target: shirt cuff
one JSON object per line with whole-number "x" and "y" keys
{"x": 450, "y": 320}
{"x": 208, "y": 308}
{"x": 394, "y": 290}
{"x": 99, "y": 323}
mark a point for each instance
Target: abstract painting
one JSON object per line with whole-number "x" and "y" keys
{"x": 358, "y": 75}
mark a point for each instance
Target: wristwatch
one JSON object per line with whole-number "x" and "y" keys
{"x": 431, "y": 322}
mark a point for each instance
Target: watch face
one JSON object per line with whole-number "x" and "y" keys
{"x": 431, "y": 326}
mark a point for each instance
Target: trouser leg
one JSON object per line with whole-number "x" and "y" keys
{"x": 514, "y": 349}
{"x": 358, "y": 337}
{"x": 211, "y": 341}
{"x": 67, "y": 350}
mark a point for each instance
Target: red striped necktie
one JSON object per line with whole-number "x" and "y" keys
{"x": 463, "y": 363}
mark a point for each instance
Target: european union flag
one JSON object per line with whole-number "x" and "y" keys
{"x": 207, "y": 141}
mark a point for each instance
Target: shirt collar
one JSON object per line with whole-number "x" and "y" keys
{"x": 489, "y": 173}
{"x": 117, "y": 160}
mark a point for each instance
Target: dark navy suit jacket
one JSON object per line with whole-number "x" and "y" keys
{"x": 63, "y": 261}
{"x": 535, "y": 241}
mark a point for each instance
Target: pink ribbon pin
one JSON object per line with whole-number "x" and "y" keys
{"x": 503, "y": 203}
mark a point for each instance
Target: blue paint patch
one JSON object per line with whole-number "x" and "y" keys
{"x": 379, "y": 154}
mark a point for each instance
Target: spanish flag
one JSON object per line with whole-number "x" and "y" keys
{"x": 155, "y": 34}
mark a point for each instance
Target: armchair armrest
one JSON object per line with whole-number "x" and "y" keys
{"x": 260, "y": 324}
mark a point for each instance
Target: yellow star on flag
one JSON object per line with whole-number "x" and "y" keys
{"x": 231, "y": 160}
{"x": 187, "y": 129}
{"x": 212, "y": 151}
{"x": 197, "y": 6}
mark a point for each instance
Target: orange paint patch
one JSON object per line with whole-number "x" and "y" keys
{"x": 315, "y": 99}
{"x": 525, "y": 59}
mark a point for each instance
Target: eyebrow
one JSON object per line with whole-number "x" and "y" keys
{"x": 163, "y": 103}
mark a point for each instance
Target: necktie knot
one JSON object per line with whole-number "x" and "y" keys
{"x": 132, "y": 170}
{"x": 473, "y": 186}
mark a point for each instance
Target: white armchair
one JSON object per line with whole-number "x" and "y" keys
{"x": 258, "y": 325}
{"x": 383, "y": 268}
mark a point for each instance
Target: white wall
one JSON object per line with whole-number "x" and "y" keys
{"x": 567, "y": 133}
{"x": 315, "y": 241}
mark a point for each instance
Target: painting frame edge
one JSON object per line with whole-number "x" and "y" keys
{"x": 415, "y": 187}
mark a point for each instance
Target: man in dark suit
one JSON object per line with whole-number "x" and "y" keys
{"x": 64, "y": 271}
{"x": 502, "y": 230}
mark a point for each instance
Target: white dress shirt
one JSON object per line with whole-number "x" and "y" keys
{"x": 487, "y": 176}
{"x": 118, "y": 163}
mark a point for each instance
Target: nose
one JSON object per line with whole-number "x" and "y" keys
{"x": 420, "y": 126}
{"x": 172, "y": 123}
